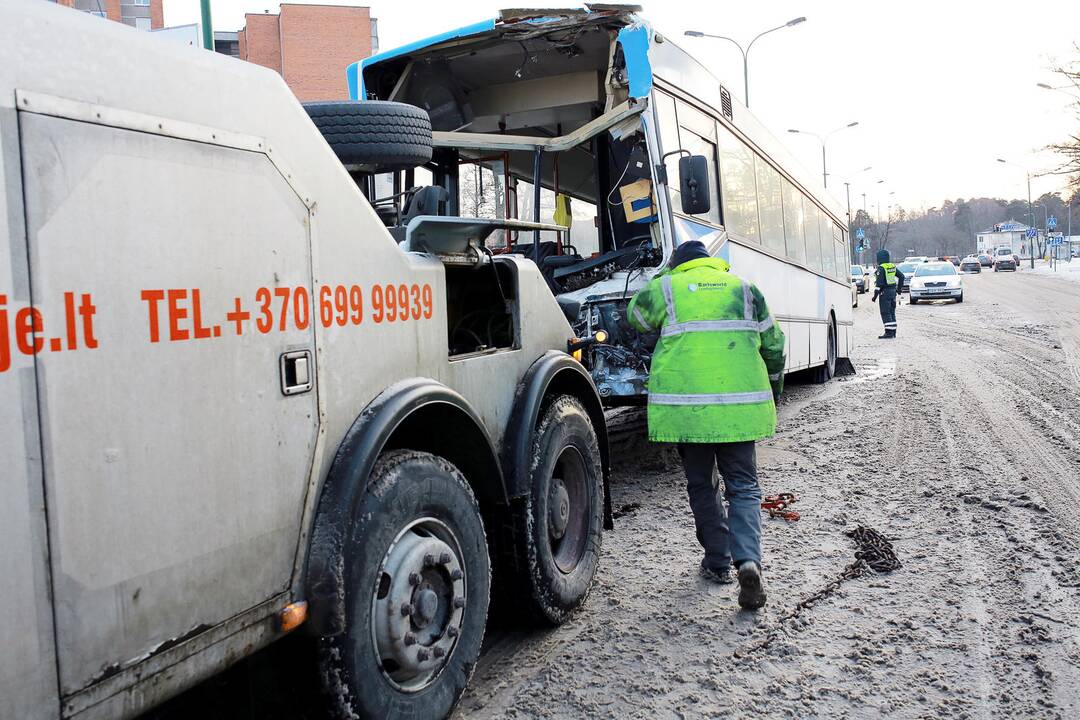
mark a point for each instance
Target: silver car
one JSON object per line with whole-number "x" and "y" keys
{"x": 936, "y": 281}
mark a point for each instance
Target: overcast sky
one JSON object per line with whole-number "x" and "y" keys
{"x": 940, "y": 88}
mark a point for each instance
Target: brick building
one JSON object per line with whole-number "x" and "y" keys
{"x": 139, "y": 14}
{"x": 310, "y": 46}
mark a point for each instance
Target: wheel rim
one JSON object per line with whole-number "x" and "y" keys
{"x": 568, "y": 514}
{"x": 418, "y": 604}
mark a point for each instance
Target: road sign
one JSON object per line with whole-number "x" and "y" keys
{"x": 1056, "y": 239}
{"x": 1032, "y": 232}
{"x": 1051, "y": 222}
{"x": 860, "y": 234}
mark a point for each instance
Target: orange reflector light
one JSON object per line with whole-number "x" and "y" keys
{"x": 576, "y": 355}
{"x": 293, "y": 615}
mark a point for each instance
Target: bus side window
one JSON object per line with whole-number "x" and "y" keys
{"x": 843, "y": 258}
{"x": 813, "y": 235}
{"x": 738, "y": 176}
{"x": 828, "y": 255}
{"x": 770, "y": 206}
{"x": 794, "y": 221}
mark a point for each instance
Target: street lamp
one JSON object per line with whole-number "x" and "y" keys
{"x": 822, "y": 139}
{"x": 746, "y": 52}
{"x": 847, "y": 192}
{"x": 1031, "y": 210}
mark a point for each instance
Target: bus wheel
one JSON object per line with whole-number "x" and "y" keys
{"x": 560, "y": 525}
{"x": 417, "y": 579}
{"x": 822, "y": 373}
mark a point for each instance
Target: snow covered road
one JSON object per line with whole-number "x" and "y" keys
{"x": 961, "y": 441}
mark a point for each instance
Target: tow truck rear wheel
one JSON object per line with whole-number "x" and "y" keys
{"x": 561, "y": 523}
{"x": 417, "y": 579}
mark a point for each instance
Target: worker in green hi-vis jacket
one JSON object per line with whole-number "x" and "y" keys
{"x": 716, "y": 372}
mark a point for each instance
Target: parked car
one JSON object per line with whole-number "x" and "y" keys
{"x": 1004, "y": 259}
{"x": 858, "y": 276}
{"x": 970, "y": 264}
{"x": 907, "y": 269}
{"x": 986, "y": 260}
{"x": 936, "y": 281}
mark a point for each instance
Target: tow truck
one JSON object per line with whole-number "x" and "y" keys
{"x": 234, "y": 404}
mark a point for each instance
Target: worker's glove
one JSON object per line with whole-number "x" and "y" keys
{"x": 874, "y": 299}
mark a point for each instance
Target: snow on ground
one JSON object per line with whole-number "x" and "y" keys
{"x": 959, "y": 442}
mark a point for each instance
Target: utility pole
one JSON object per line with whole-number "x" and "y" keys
{"x": 207, "y": 25}
{"x": 1031, "y": 210}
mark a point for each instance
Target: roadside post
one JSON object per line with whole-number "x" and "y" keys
{"x": 1051, "y": 225}
{"x": 860, "y": 235}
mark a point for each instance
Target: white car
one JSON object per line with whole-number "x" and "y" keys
{"x": 936, "y": 281}
{"x": 917, "y": 259}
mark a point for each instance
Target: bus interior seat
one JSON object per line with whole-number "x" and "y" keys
{"x": 426, "y": 200}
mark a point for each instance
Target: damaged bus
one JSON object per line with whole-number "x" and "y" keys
{"x": 591, "y": 120}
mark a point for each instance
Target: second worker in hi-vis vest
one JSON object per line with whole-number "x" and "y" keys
{"x": 717, "y": 369}
{"x": 888, "y": 281}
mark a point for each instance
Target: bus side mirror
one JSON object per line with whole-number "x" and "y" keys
{"x": 694, "y": 184}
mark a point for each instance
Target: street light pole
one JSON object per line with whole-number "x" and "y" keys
{"x": 746, "y": 52}
{"x": 1031, "y": 210}
{"x": 207, "y": 25}
{"x": 823, "y": 139}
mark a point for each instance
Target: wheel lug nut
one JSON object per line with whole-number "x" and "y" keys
{"x": 438, "y": 652}
{"x": 406, "y": 609}
{"x": 422, "y": 655}
{"x": 429, "y": 560}
{"x": 455, "y": 574}
{"x": 452, "y": 631}
{"x": 410, "y": 639}
{"x": 459, "y": 602}
{"x": 444, "y": 558}
{"x": 414, "y": 578}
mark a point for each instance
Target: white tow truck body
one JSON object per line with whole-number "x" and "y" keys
{"x": 197, "y": 306}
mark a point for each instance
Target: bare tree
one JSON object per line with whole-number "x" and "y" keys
{"x": 1070, "y": 149}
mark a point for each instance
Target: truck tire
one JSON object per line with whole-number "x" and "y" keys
{"x": 822, "y": 373}
{"x": 560, "y": 525}
{"x": 417, "y": 578}
{"x": 374, "y": 135}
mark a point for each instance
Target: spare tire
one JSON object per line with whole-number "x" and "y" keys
{"x": 374, "y": 135}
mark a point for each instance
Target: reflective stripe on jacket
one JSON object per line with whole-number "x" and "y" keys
{"x": 719, "y": 356}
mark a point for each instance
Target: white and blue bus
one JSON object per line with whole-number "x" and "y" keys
{"x": 594, "y": 120}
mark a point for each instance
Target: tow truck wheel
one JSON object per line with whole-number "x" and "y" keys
{"x": 561, "y": 523}
{"x": 417, "y": 578}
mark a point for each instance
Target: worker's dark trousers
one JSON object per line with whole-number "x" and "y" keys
{"x": 739, "y": 539}
{"x": 887, "y": 305}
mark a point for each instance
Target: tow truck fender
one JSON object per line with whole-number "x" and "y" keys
{"x": 555, "y": 373}
{"x": 402, "y": 416}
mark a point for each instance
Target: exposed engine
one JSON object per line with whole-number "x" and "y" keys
{"x": 619, "y": 365}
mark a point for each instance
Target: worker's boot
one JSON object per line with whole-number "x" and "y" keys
{"x": 720, "y": 576}
{"x": 751, "y": 586}
{"x": 889, "y": 335}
